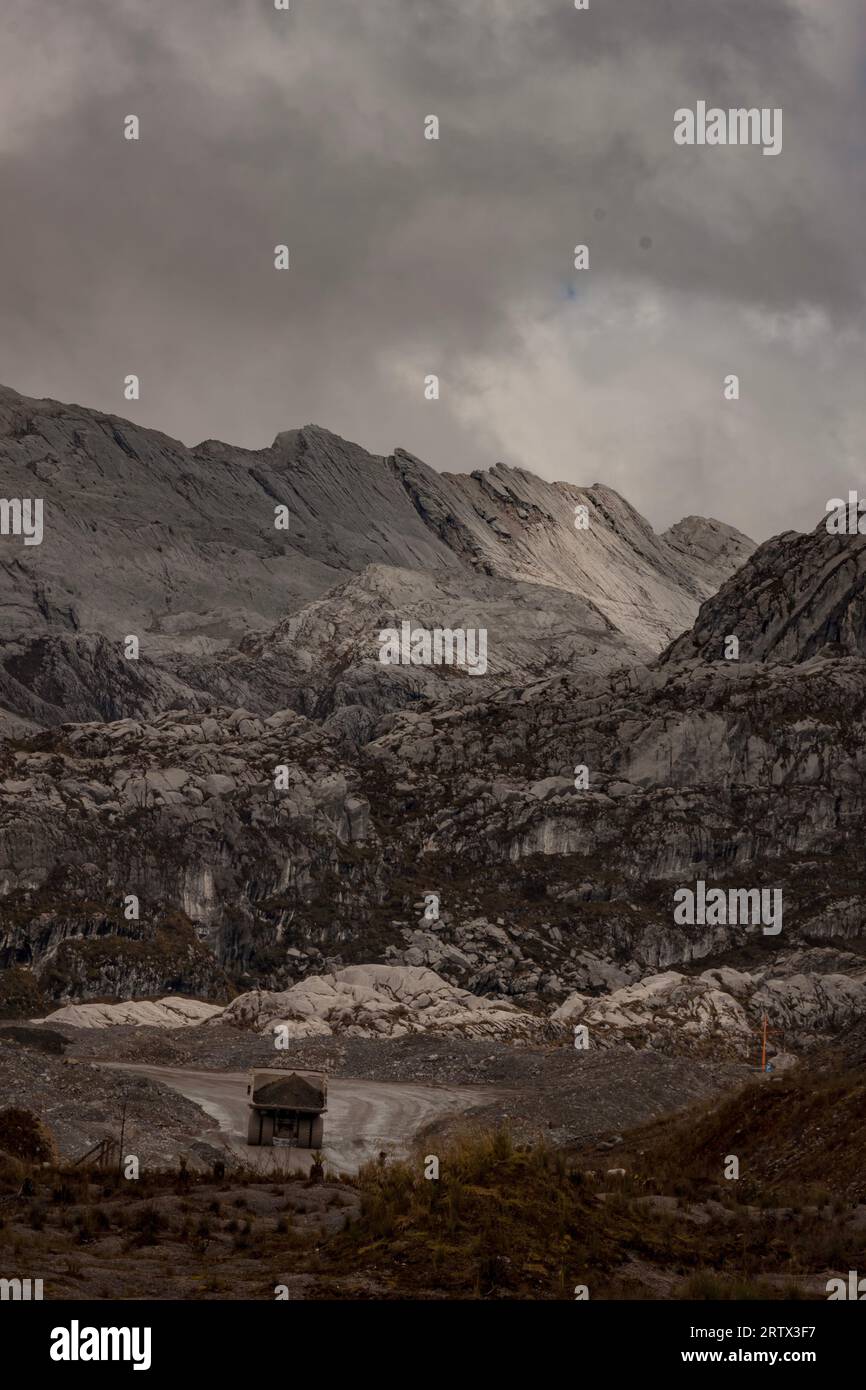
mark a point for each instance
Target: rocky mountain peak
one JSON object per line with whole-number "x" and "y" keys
{"x": 799, "y": 594}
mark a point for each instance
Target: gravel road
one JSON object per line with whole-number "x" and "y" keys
{"x": 363, "y": 1117}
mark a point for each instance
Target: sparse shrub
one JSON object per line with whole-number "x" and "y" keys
{"x": 12, "y": 1173}
{"x": 793, "y": 1293}
{"x": 24, "y": 1136}
{"x": 87, "y": 1230}
{"x": 147, "y": 1225}
{"x": 66, "y": 1193}
{"x": 244, "y": 1238}
{"x": 500, "y": 1221}
{"x": 706, "y": 1284}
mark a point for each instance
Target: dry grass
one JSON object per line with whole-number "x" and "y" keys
{"x": 501, "y": 1221}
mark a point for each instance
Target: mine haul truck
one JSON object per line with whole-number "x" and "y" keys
{"x": 287, "y": 1106}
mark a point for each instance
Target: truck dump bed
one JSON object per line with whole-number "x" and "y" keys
{"x": 289, "y": 1090}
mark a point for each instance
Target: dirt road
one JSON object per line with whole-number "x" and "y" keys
{"x": 363, "y": 1117}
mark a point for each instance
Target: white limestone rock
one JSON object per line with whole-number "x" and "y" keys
{"x": 161, "y": 1013}
{"x": 377, "y": 1001}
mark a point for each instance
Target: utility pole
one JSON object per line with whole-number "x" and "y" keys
{"x": 764, "y": 1031}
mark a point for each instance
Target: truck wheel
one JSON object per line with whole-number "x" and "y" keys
{"x": 267, "y": 1130}
{"x": 317, "y": 1133}
{"x": 254, "y": 1128}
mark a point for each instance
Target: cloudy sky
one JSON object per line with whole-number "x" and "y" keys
{"x": 411, "y": 256}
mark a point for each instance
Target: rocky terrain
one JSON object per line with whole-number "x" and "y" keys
{"x": 180, "y": 548}
{"x": 361, "y": 1001}
{"x": 365, "y": 1000}
{"x": 431, "y": 883}
{"x": 796, "y": 596}
{"x": 539, "y": 1090}
{"x": 811, "y": 994}
{"x": 646, "y": 1214}
{"x": 171, "y": 1012}
{"x": 808, "y": 994}
{"x": 82, "y": 1105}
{"x": 256, "y": 807}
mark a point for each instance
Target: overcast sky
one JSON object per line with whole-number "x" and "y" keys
{"x": 411, "y": 256}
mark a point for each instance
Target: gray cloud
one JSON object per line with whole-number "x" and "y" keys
{"x": 454, "y": 256}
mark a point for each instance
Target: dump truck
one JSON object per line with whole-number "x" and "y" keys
{"x": 286, "y": 1107}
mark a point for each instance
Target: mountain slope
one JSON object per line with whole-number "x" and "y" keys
{"x": 276, "y": 798}
{"x": 508, "y": 522}
{"x": 145, "y": 536}
{"x": 57, "y": 676}
{"x": 797, "y": 594}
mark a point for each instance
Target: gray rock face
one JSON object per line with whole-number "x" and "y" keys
{"x": 709, "y": 547}
{"x": 162, "y": 1013}
{"x": 55, "y": 677}
{"x": 510, "y": 523}
{"x": 809, "y": 994}
{"x": 282, "y": 805}
{"x": 143, "y": 535}
{"x": 742, "y": 776}
{"x": 795, "y": 596}
{"x": 696, "y": 772}
{"x": 179, "y": 548}
{"x": 325, "y": 659}
{"x": 183, "y": 814}
{"x": 368, "y": 1001}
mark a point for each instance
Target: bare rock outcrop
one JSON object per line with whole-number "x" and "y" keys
{"x": 180, "y": 548}
{"x": 805, "y": 996}
{"x": 380, "y": 1001}
{"x": 798, "y": 596}
{"x": 158, "y": 1013}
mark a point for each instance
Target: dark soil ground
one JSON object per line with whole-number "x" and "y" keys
{"x": 499, "y": 1222}
{"x": 626, "y": 1193}
{"x": 566, "y": 1095}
